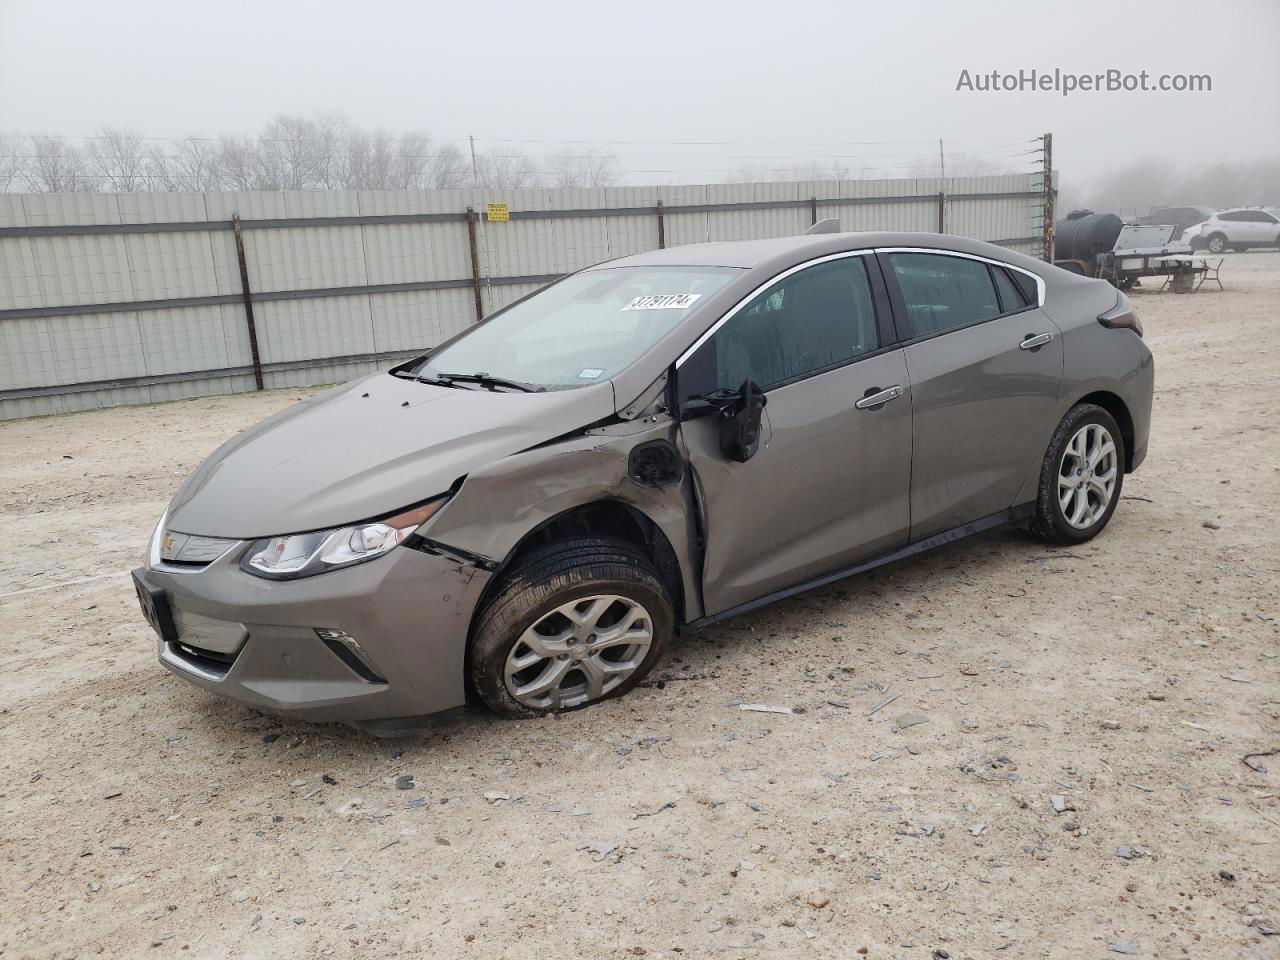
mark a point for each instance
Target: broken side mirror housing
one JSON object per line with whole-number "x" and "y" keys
{"x": 740, "y": 423}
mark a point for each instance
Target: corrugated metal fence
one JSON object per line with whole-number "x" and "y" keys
{"x": 133, "y": 298}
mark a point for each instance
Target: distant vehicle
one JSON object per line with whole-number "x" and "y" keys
{"x": 1104, "y": 246}
{"x": 669, "y": 438}
{"x": 1180, "y": 217}
{"x": 1238, "y": 229}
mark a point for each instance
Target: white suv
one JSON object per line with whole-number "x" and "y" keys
{"x": 1238, "y": 229}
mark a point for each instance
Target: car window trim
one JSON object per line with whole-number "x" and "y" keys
{"x": 1039, "y": 280}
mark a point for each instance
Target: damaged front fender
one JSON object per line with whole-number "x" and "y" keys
{"x": 634, "y": 463}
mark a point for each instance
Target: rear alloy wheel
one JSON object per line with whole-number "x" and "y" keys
{"x": 1081, "y": 477}
{"x": 1217, "y": 243}
{"x": 570, "y": 624}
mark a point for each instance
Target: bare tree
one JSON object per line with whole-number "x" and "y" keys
{"x": 191, "y": 165}
{"x": 809, "y": 170}
{"x": 448, "y": 169}
{"x": 410, "y": 158}
{"x": 1153, "y": 182}
{"x": 505, "y": 171}
{"x": 238, "y": 165}
{"x": 117, "y": 159}
{"x": 286, "y": 154}
{"x": 568, "y": 169}
{"x": 56, "y": 166}
{"x": 12, "y": 162}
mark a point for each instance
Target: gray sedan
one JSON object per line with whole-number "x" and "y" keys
{"x": 525, "y": 515}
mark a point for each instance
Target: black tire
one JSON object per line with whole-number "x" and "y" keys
{"x": 1217, "y": 243}
{"x": 1050, "y": 523}
{"x": 547, "y": 578}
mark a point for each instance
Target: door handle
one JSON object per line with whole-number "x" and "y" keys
{"x": 1034, "y": 340}
{"x": 880, "y": 398}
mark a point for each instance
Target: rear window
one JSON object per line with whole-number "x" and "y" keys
{"x": 943, "y": 292}
{"x": 1011, "y": 295}
{"x": 1027, "y": 285}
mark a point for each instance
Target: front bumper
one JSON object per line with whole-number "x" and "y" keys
{"x": 255, "y": 640}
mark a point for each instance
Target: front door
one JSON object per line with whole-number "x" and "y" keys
{"x": 986, "y": 371}
{"x": 829, "y": 483}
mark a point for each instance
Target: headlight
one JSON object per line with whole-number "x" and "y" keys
{"x": 306, "y": 554}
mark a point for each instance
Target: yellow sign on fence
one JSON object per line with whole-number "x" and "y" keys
{"x": 497, "y": 212}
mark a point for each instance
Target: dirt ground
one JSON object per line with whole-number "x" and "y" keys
{"x": 1129, "y": 676}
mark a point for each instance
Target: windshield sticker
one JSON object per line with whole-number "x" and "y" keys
{"x": 591, "y": 373}
{"x": 669, "y": 301}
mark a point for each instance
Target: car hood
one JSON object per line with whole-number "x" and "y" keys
{"x": 366, "y": 449}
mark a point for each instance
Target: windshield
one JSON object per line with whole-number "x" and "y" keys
{"x": 581, "y": 330}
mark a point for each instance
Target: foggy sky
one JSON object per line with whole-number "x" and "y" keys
{"x": 770, "y": 83}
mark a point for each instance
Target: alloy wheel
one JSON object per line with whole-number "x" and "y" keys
{"x": 578, "y": 652}
{"x": 1087, "y": 476}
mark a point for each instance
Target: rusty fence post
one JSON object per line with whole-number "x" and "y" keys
{"x": 662, "y": 228}
{"x": 1046, "y": 186}
{"x": 475, "y": 263}
{"x": 942, "y": 211}
{"x": 813, "y": 210}
{"x": 247, "y": 295}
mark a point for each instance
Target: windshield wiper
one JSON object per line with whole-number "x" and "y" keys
{"x": 484, "y": 380}
{"x": 434, "y": 381}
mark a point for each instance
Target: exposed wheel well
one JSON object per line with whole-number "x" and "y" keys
{"x": 607, "y": 518}
{"x": 1116, "y": 407}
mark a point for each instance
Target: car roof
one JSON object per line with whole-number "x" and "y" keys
{"x": 748, "y": 254}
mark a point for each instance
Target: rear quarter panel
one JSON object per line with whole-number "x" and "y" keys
{"x": 1097, "y": 359}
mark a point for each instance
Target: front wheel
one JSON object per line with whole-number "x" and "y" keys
{"x": 573, "y": 623}
{"x": 1081, "y": 477}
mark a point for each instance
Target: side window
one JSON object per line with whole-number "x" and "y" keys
{"x": 817, "y": 318}
{"x": 1027, "y": 285}
{"x": 1011, "y": 295}
{"x": 942, "y": 292}
{"x": 1231, "y": 217}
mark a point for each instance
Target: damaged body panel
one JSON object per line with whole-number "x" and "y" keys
{"x": 531, "y": 489}
{"x": 368, "y": 448}
{"x": 526, "y": 514}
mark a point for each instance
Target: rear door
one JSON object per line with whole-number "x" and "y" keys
{"x": 986, "y": 369}
{"x": 830, "y": 482}
{"x": 1235, "y": 226}
{"x": 1262, "y": 227}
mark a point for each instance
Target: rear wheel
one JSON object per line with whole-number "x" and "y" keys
{"x": 1217, "y": 243}
{"x": 573, "y": 623}
{"x": 1081, "y": 477}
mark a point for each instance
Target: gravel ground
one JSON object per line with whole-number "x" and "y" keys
{"x": 1127, "y": 677}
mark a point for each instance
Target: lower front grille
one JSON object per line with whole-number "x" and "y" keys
{"x": 208, "y": 663}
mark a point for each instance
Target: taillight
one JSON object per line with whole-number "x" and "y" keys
{"x": 1121, "y": 317}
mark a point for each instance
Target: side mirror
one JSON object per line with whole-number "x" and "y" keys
{"x": 740, "y": 423}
